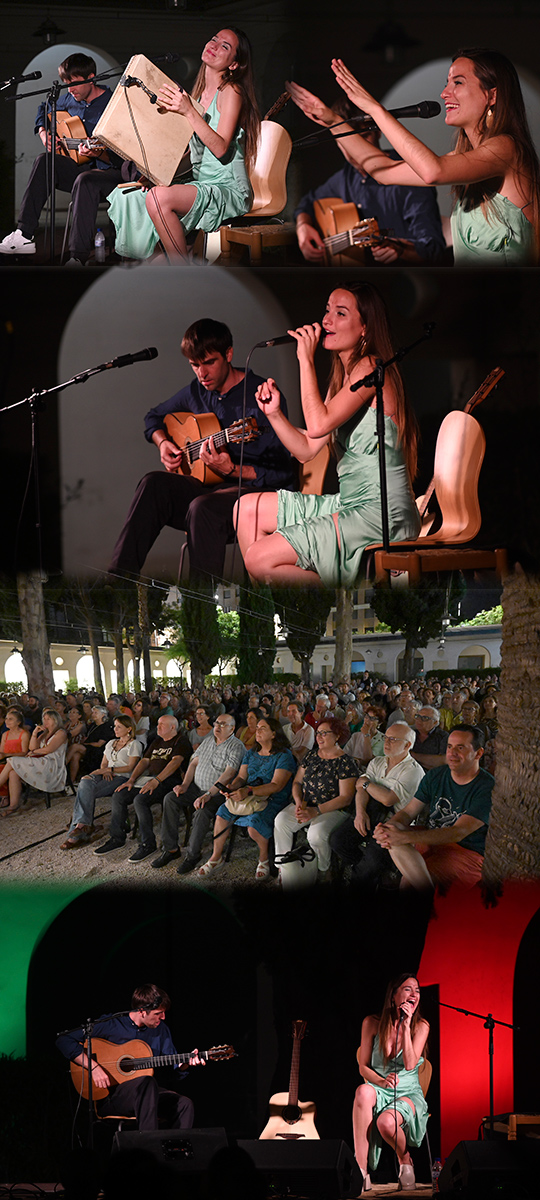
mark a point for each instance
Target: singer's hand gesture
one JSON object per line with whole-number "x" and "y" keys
{"x": 268, "y": 397}
{"x": 353, "y": 89}
{"x": 311, "y": 105}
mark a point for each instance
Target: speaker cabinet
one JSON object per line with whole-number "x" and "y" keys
{"x": 318, "y": 1168}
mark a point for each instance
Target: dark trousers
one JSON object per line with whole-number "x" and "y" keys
{"x": 142, "y": 803}
{"x": 205, "y": 514}
{"x": 367, "y": 859}
{"x": 146, "y": 1101}
{"x": 202, "y": 821}
{"x": 119, "y": 810}
{"x": 87, "y": 186}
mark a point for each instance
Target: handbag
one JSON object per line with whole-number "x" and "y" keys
{"x": 244, "y": 808}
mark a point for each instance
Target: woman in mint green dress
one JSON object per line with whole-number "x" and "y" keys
{"x": 222, "y": 147}
{"x": 493, "y": 168}
{"x": 389, "y": 1105}
{"x": 288, "y": 538}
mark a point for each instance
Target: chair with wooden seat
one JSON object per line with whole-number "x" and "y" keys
{"x": 268, "y": 182}
{"x": 459, "y": 455}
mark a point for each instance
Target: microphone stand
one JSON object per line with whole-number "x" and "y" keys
{"x": 36, "y": 403}
{"x": 87, "y": 1028}
{"x": 376, "y": 379}
{"x": 489, "y": 1023}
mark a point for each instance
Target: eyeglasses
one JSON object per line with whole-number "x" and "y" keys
{"x": 222, "y": 724}
{"x": 325, "y": 733}
{"x": 391, "y": 739}
{"x": 419, "y": 717}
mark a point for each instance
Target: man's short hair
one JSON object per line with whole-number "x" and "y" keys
{"x": 296, "y": 704}
{"x": 434, "y": 711}
{"x": 148, "y": 996}
{"x": 79, "y": 66}
{"x": 409, "y": 735}
{"x": 206, "y": 337}
{"x": 478, "y": 739}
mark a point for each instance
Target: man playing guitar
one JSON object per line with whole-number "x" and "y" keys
{"x": 204, "y": 510}
{"x": 141, "y": 1096}
{"x": 89, "y": 182}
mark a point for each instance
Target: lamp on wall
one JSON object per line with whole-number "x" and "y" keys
{"x": 49, "y": 32}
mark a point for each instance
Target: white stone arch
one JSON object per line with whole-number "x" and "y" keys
{"x": 84, "y": 671}
{"x": 15, "y": 670}
{"x": 27, "y": 146}
{"x": 474, "y": 651}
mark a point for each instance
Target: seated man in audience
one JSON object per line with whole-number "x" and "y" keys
{"x": 322, "y": 707}
{"x": 163, "y": 765}
{"x": 431, "y": 739}
{"x": 387, "y": 785}
{"x": 456, "y": 799}
{"x": 216, "y": 762}
{"x": 300, "y": 734}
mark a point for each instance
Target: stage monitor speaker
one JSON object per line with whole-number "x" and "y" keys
{"x": 491, "y": 1170}
{"x": 187, "y": 1151}
{"x": 317, "y": 1168}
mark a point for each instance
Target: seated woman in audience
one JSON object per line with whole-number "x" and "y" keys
{"x": 90, "y": 751}
{"x": 43, "y": 767}
{"x": 203, "y": 725}
{"x": 119, "y": 758}
{"x": 264, "y": 780}
{"x": 324, "y": 785}
{"x": 15, "y": 740}
{"x": 248, "y": 732}
{"x": 369, "y": 741}
{"x": 389, "y": 1105}
{"x": 76, "y": 725}
{"x": 354, "y": 717}
{"x": 141, "y": 716}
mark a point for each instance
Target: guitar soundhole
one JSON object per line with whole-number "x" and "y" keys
{"x": 291, "y": 1113}
{"x": 124, "y": 1065}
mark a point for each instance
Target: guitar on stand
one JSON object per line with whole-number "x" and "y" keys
{"x": 427, "y": 515}
{"x": 290, "y": 1118}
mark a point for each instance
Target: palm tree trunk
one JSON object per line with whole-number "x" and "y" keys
{"x": 513, "y": 840}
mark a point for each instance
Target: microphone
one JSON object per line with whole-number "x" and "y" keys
{"x": 22, "y": 78}
{"x": 170, "y": 57}
{"x": 277, "y": 341}
{"x": 125, "y": 360}
{"x": 402, "y": 1014}
{"x": 131, "y": 81}
{"x": 425, "y": 109}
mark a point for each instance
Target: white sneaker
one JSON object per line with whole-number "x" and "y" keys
{"x": 16, "y": 243}
{"x": 406, "y": 1182}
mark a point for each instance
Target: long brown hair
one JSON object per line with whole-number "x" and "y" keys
{"x": 390, "y": 1014}
{"x": 377, "y": 343}
{"x": 242, "y": 80}
{"x": 507, "y": 116}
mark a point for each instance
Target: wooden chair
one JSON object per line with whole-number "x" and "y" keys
{"x": 459, "y": 455}
{"x": 268, "y": 182}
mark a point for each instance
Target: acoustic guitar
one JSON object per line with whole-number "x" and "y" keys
{"x": 188, "y": 432}
{"x": 290, "y": 1118}
{"x": 428, "y": 517}
{"x": 74, "y": 138}
{"x": 131, "y": 1059}
{"x": 343, "y": 230}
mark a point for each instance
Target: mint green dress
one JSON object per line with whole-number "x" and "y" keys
{"x": 407, "y": 1085}
{"x": 306, "y": 522}
{"x": 503, "y": 237}
{"x": 223, "y": 192}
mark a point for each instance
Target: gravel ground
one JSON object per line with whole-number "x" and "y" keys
{"x": 30, "y": 852}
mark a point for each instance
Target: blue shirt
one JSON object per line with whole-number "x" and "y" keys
{"x": 89, "y": 114}
{"x": 404, "y": 212}
{"x": 119, "y": 1030}
{"x": 274, "y": 466}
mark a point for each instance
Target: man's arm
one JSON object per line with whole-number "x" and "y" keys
{"x": 171, "y": 768}
{"x": 462, "y": 828}
{"x": 140, "y": 769}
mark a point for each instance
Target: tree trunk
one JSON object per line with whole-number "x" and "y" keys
{"x": 144, "y": 625}
{"x": 35, "y": 642}
{"x": 119, "y": 652}
{"x": 343, "y": 651}
{"x": 512, "y": 844}
{"x": 89, "y": 617}
{"x": 408, "y": 661}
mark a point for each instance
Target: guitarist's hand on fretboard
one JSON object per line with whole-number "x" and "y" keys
{"x": 220, "y": 461}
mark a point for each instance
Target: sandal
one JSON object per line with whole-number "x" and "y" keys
{"x": 9, "y": 812}
{"x": 263, "y": 870}
{"x": 209, "y": 867}
{"x": 80, "y": 835}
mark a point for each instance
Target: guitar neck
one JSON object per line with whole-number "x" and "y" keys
{"x": 295, "y": 1072}
{"x": 220, "y": 439}
{"x": 165, "y": 1060}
